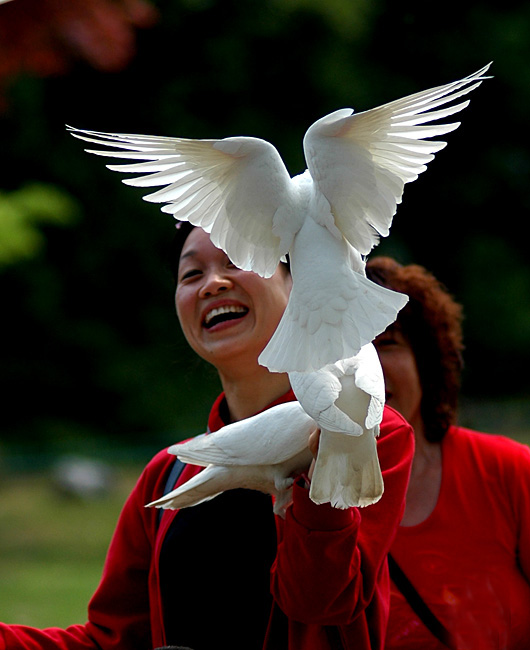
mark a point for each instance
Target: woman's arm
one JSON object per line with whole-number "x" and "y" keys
{"x": 119, "y": 612}
{"x": 331, "y": 564}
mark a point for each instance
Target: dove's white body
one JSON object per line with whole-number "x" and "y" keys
{"x": 330, "y": 332}
{"x": 238, "y": 190}
{"x": 346, "y": 400}
{"x": 262, "y": 453}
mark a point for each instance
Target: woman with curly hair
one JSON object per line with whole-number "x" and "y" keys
{"x": 460, "y": 563}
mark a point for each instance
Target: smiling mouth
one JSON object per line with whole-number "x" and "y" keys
{"x": 225, "y": 313}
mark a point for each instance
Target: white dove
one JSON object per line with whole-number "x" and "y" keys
{"x": 262, "y": 453}
{"x": 327, "y": 219}
{"x": 346, "y": 399}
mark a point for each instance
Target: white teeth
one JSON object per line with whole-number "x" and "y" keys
{"x": 226, "y": 309}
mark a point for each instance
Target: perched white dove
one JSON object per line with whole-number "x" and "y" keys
{"x": 327, "y": 219}
{"x": 346, "y": 399}
{"x": 262, "y": 453}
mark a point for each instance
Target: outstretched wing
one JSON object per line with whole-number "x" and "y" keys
{"x": 271, "y": 437}
{"x": 360, "y": 162}
{"x": 204, "y": 486}
{"x": 237, "y": 189}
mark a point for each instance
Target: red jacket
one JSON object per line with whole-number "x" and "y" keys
{"x": 330, "y": 568}
{"x": 470, "y": 559}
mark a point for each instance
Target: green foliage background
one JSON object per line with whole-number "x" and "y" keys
{"x": 91, "y": 349}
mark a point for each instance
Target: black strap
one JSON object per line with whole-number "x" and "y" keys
{"x": 433, "y": 624}
{"x": 176, "y": 471}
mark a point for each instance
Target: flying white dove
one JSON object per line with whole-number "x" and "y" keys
{"x": 327, "y": 219}
{"x": 346, "y": 399}
{"x": 263, "y": 452}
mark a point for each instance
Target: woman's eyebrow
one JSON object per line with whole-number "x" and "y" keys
{"x": 187, "y": 254}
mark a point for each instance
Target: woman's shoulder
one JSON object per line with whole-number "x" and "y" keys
{"x": 159, "y": 460}
{"x": 485, "y": 441}
{"x": 152, "y": 480}
{"x": 394, "y": 421}
{"x": 488, "y": 448}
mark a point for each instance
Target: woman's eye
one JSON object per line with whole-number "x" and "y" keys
{"x": 189, "y": 274}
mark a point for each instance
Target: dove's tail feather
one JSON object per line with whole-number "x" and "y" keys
{"x": 347, "y": 472}
{"x": 294, "y": 347}
{"x": 202, "y": 487}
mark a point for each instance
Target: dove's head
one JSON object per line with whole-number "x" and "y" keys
{"x": 422, "y": 350}
{"x": 227, "y": 315}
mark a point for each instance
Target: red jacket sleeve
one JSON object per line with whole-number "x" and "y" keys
{"x": 331, "y": 565}
{"x": 119, "y": 612}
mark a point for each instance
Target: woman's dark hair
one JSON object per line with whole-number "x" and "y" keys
{"x": 432, "y": 324}
{"x": 183, "y": 229}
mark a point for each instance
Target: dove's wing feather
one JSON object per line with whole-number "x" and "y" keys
{"x": 320, "y": 328}
{"x": 316, "y": 340}
{"x": 275, "y": 480}
{"x": 334, "y": 419}
{"x": 202, "y": 487}
{"x": 368, "y": 372}
{"x": 317, "y": 392}
{"x": 360, "y": 162}
{"x": 269, "y": 438}
{"x": 374, "y": 416}
{"x": 237, "y": 189}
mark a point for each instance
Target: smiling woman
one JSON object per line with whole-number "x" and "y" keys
{"x": 312, "y": 578}
{"x": 228, "y": 315}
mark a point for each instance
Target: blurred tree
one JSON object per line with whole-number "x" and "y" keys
{"x": 20, "y": 214}
{"x": 104, "y": 355}
{"x": 46, "y": 37}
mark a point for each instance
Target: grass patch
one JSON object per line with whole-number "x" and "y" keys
{"x": 52, "y": 548}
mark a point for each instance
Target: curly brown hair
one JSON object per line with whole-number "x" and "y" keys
{"x": 432, "y": 324}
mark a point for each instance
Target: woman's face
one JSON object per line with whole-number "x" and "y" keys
{"x": 402, "y": 379}
{"x": 225, "y": 312}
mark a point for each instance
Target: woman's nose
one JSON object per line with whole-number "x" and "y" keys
{"x": 214, "y": 283}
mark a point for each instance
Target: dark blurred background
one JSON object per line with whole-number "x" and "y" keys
{"x": 92, "y": 355}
